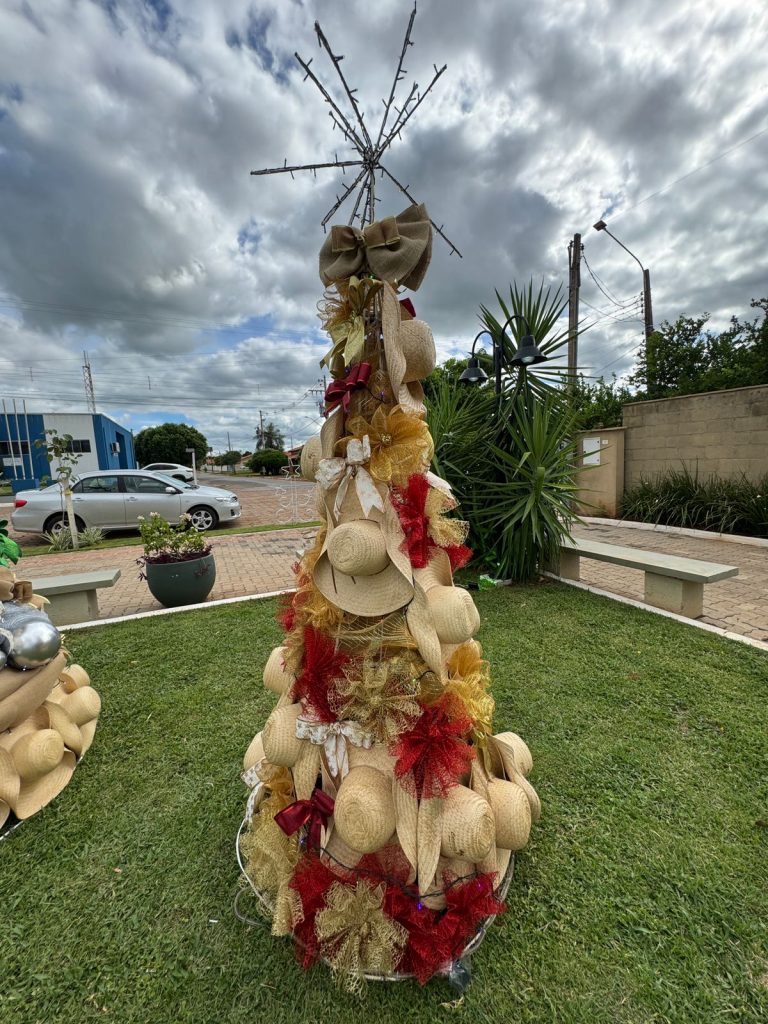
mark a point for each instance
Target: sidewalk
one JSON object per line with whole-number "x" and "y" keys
{"x": 739, "y": 605}
{"x": 245, "y": 564}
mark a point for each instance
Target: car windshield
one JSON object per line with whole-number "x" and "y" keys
{"x": 172, "y": 481}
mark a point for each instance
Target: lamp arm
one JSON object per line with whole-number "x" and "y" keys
{"x": 516, "y": 316}
{"x": 477, "y": 337}
{"x": 625, "y": 249}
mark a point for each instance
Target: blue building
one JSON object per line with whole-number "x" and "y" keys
{"x": 100, "y": 442}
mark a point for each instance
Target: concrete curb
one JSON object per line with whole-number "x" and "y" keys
{"x": 682, "y": 531}
{"x": 759, "y": 645}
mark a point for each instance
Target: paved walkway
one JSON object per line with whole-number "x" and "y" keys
{"x": 739, "y": 605}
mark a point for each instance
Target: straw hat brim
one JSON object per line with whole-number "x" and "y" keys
{"x": 64, "y": 726}
{"x": 34, "y": 689}
{"x": 9, "y": 780}
{"x": 394, "y": 351}
{"x": 5, "y": 810}
{"x": 88, "y": 731}
{"x": 381, "y": 593}
{"x": 10, "y": 680}
{"x": 33, "y": 796}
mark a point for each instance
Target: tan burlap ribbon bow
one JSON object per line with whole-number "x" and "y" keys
{"x": 396, "y": 249}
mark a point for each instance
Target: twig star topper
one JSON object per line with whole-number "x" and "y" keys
{"x": 356, "y": 133}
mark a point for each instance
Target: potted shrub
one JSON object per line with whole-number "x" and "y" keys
{"x": 177, "y": 564}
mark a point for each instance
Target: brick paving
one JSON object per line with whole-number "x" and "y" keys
{"x": 739, "y": 605}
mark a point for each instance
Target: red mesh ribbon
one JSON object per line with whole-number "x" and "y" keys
{"x": 469, "y": 903}
{"x": 409, "y": 503}
{"x": 322, "y": 664}
{"x": 408, "y": 305}
{"x": 426, "y": 951}
{"x": 337, "y": 391}
{"x": 314, "y": 812}
{"x": 311, "y": 880}
{"x": 433, "y": 755}
{"x": 458, "y": 555}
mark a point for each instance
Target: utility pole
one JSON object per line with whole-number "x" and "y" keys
{"x": 260, "y": 443}
{"x": 90, "y": 398}
{"x": 574, "y": 283}
{"x": 647, "y": 307}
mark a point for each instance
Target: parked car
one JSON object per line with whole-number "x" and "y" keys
{"x": 174, "y": 469}
{"x": 115, "y": 499}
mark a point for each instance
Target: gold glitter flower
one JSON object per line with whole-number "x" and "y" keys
{"x": 381, "y": 695}
{"x": 400, "y": 443}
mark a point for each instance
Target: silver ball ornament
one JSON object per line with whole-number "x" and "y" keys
{"x": 34, "y": 644}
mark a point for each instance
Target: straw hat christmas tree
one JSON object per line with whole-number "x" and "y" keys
{"x": 384, "y": 812}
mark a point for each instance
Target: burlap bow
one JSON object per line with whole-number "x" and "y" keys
{"x": 397, "y": 249}
{"x": 349, "y": 337}
{"x": 333, "y": 737}
{"x": 331, "y": 472}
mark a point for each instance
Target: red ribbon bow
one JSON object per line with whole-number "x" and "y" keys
{"x": 341, "y": 390}
{"x": 315, "y": 811}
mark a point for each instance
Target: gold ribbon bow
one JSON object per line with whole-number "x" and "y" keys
{"x": 395, "y": 248}
{"x": 331, "y": 472}
{"x": 349, "y": 335}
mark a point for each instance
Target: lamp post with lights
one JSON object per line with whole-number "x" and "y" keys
{"x": 527, "y": 354}
{"x": 647, "y": 307}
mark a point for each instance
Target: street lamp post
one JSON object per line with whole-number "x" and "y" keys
{"x": 526, "y": 354}
{"x": 647, "y": 307}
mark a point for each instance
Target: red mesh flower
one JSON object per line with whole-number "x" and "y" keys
{"x": 426, "y": 951}
{"x": 433, "y": 755}
{"x": 458, "y": 554}
{"x": 469, "y": 903}
{"x": 311, "y": 880}
{"x": 322, "y": 664}
{"x": 410, "y": 504}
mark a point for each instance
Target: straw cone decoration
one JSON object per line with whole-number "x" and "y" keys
{"x": 399, "y": 810}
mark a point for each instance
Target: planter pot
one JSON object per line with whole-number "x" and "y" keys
{"x": 178, "y": 583}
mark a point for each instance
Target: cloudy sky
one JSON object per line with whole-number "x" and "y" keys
{"x": 132, "y": 229}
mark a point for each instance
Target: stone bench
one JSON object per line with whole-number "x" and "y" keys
{"x": 73, "y": 598}
{"x": 672, "y": 583}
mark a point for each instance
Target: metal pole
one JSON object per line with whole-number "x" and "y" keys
{"x": 497, "y": 350}
{"x": 10, "y": 442}
{"x": 18, "y": 441}
{"x": 29, "y": 440}
{"x": 574, "y": 283}
{"x": 647, "y": 307}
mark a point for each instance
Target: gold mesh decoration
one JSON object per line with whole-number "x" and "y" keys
{"x": 444, "y": 532}
{"x": 278, "y": 783}
{"x": 312, "y": 608}
{"x": 270, "y": 857}
{"x": 356, "y": 937}
{"x": 467, "y": 691}
{"x": 381, "y": 695}
{"x": 357, "y": 632}
{"x": 400, "y": 443}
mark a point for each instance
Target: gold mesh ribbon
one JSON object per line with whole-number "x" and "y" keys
{"x": 400, "y": 443}
{"x": 344, "y": 319}
{"x": 381, "y": 695}
{"x": 270, "y": 857}
{"x": 356, "y": 937}
{"x": 444, "y": 532}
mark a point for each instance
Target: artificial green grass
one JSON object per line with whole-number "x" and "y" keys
{"x": 128, "y": 540}
{"x": 642, "y": 897}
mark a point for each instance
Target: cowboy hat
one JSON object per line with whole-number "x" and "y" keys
{"x": 440, "y": 613}
{"x": 276, "y": 676}
{"x": 43, "y": 765}
{"x": 364, "y": 814}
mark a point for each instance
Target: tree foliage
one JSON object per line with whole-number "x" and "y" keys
{"x": 271, "y": 461}
{"x": 230, "y": 458}
{"x": 600, "y": 404}
{"x": 269, "y": 437}
{"x": 168, "y": 443}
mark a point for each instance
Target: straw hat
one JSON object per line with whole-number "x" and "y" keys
{"x": 337, "y": 854}
{"x": 88, "y": 731}
{"x": 276, "y": 677}
{"x": 376, "y": 756}
{"x": 281, "y": 744}
{"x": 409, "y": 350}
{"x": 43, "y": 765}
{"x": 512, "y": 814}
{"x": 361, "y": 568}
{"x": 311, "y": 453}
{"x": 364, "y": 814}
{"x": 10, "y": 680}
{"x": 407, "y": 819}
{"x": 73, "y": 677}
{"x": 69, "y": 731}
{"x": 441, "y": 616}
{"x": 35, "y": 686}
{"x": 9, "y": 784}
{"x": 513, "y": 773}
{"x": 254, "y": 753}
{"x": 446, "y": 866}
{"x": 523, "y": 758}
{"x": 82, "y": 705}
{"x": 468, "y": 827}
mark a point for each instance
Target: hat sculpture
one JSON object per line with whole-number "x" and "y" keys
{"x": 383, "y": 812}
{"x": 48, "y": 711}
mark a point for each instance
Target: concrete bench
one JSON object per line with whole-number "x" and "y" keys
{"x": 73, "y": 598}
{"x": 673, "y": 583}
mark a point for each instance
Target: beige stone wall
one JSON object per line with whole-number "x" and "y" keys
{"x": 723, "y": 432}
{"x": 601, "y": 479}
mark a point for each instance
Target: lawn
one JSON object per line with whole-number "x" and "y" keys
{"x": 643, "y": 896}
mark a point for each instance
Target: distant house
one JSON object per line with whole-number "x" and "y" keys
{"x": 100, "y": 442}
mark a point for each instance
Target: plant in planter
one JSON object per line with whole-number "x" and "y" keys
{"x": 177, "y": 563}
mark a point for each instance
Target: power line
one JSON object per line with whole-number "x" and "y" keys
{"x": 600, "y": 284}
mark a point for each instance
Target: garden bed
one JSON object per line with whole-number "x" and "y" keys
{"x": 642, "y": 896}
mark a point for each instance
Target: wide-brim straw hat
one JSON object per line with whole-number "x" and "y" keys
{"x": 281, "y": 744}
{"x": 511, "y": 812}
{"x": 364, "y": 814}
{"x": 383, "y": 580}
{"x": 409, "y": 350}
{"x": 9, "y": 782}
{"x": 523, "y": 757}
{"x": 88, "y": 731}
{"x": 69, "y": 731}
{"x": 277, "y": 677}
{"x": 34, "y": 688}
{"x": 441, "y": 616}
{"x": 311, "y": 453}
{"x": 73, "y": 677}
{"x": 43, "y": 764}
{"x": 468, "y": 827}
{"x": 255, "y": 752}
{"x": 82, "y": 705}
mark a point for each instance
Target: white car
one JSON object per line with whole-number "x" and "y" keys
{"x": 114, "y": 500}
{"x": 174, "y": 469}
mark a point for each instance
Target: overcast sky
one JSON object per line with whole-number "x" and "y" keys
{"x": 132, "y": 229}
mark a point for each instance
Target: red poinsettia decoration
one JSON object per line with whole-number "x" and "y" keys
{"x": 469, "y": 903}
{"x": 422, "y": 535}
{"x": 321, "y": 664}
{"x": 434, "y": 754}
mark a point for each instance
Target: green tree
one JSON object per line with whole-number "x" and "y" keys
{"x": 228, "y": 458}
{"x": 600, "y": 404}
{"x": 168, "y": 443}
{"x": 269, "y": 437}
{"x": 63, "y": 461}
{"x": 270, "y": 461}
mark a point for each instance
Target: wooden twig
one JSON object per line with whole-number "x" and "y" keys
{"x": 398, "y": 75}
{"x": 336, "y": 61}
{"x": 439, "y": 230}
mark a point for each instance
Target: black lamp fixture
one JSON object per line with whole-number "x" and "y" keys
{"x": 526, "y": 354}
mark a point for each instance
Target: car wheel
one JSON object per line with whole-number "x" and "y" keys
{"x": 203, "y": 518}
{"x": 55, "y": 524}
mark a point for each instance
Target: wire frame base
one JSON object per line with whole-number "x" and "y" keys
{"x": 268, "y": 905}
